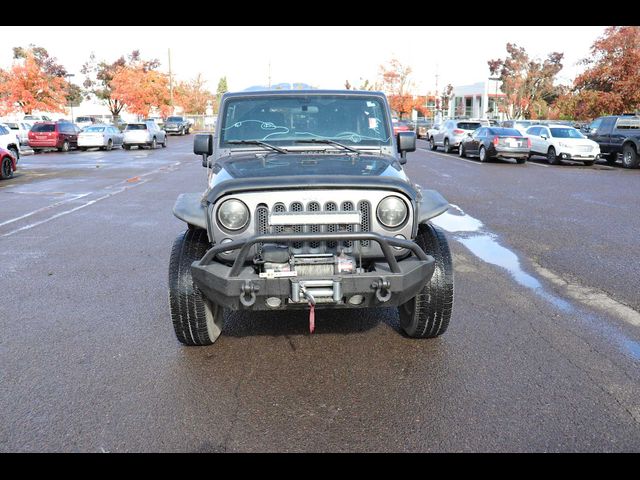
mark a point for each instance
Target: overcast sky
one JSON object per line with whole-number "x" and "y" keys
{"x": 320, "y": 56}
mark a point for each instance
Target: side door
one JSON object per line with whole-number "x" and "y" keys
{"x": 544, "y": 141}
{"x": 474, "y": 142}
{"x": 439, "y": 136}
{"x": 603, "y": 133}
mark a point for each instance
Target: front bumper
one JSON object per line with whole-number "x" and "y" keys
{"x": 391, "y": 282}
{"x": 579, "y": 156}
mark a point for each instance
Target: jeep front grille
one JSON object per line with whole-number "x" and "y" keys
{"x": 262, "y": 224}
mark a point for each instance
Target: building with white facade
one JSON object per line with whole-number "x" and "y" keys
{"x": 477, "y": 100}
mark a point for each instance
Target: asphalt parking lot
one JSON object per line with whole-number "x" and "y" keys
{"x": 542, "y": 353}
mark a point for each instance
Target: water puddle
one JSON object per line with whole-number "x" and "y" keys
{"x": 485, "y": 245}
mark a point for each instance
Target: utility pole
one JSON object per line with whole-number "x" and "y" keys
{"x": 170, "y": 83}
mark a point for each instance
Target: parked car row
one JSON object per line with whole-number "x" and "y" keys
{"x": 555, "y": 141}
{"x": 65, "y": 136}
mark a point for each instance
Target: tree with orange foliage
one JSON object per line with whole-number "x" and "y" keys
{"x": 611, "y": 83}
{"x": 27, "y": 86}
{"x": 526, "y": 82}
{"x": 192, "y": 96}
{"x": 396, "y": 83}
{"x": 141, "y": 90}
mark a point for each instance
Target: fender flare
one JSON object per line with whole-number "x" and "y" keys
{"x": 191, "y": 209}
{"x": 431, "y": 205}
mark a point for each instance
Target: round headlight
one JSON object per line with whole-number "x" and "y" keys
{"x": 233, "y": 215}
{"x": 392, "y": 212}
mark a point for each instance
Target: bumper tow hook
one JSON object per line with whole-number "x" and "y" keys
{"x": 383, "y": 293}
{"x": 248, "y": 294}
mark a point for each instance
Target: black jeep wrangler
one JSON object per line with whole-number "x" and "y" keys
{"x": 308, "y": 206}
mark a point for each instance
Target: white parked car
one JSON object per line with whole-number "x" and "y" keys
{"x": 21, "y": 129}
{"x": 100, "y": 135}
{"x": 144, "y": 134}
{"x": 31, "y": 119}
{"x": 84, "y": 122}
{"x": 9, "y": 140}
{"x": 561, "y": 142}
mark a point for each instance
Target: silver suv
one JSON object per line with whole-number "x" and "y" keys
{"x": 145, "y": 134}
{"x": 450, "y": 133}
{"x": 308, "y": 207}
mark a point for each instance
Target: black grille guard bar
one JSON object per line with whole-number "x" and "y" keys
{"x": 245, "y": 244}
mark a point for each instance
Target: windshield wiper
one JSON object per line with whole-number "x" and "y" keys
{"x": 257, "y": 142}
{"x": 329, "y": 142}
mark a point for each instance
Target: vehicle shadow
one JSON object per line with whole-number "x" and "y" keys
{"x": 330, "y": 321}
{"x": 541, "y": 160}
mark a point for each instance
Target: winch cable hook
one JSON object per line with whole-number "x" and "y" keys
{"x": 312, "y": 308}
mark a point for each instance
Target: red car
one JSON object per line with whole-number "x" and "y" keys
{"x": 7, "y": 164}
{"x": 400, "y": 126}
{"x": 60, "y": 135}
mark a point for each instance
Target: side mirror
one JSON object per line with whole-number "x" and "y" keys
{"x": 406, "y": 143}
{"x": 203, "y": 145}
{"x": 544, "y": 137}
{"x": 469, "y": 134}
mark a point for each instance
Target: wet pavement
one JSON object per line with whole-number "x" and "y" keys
{"x": 542, "y": 352}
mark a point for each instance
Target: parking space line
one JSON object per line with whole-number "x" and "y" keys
{"x": 445, "y": 155}
{"x": 75, "y": 197}
{"x": 75, "y": 209}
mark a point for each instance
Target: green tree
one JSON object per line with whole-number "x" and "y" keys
{"x": 222, "y": 88}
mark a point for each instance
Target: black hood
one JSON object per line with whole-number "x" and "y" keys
{"x": 293, "y": 164}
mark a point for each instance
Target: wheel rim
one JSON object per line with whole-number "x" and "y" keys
{"x": 109, "y": 145}
{"x": 483, "y": 154}
{"x": 65, "y": 147}
{"x": 461, "y": 151}
{"x": 153, "y": 144}
{"x": 627, "y": 157}
{"x": 446, "y": 145}
{"x": 552, "y": 155}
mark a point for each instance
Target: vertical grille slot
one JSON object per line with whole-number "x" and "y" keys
{"x": 297, "y": 207}
{"x": 331, "y": 207}
{"x": 279, "y": 208}
{"x": 348, "y": 207}
{"x": 314, "y": 207}
{"x": 262, "y": 215}
{"x": 365, "y": 225}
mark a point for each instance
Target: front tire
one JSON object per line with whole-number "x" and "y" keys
{"x": 432, "y": 144}
{"x": 552, "y": 158}
{"x": 109, "y": 146}
{"x": 154, "y": 144}
{"x": 196, "y": 319}
{"x": 427, "y": 314}
{"x": 6, "y": 168}
{"x": 447, "y": 147}
{"x": 461, "y": 151}
{"x": 65, "y": 146}
{"x": 164, "y": 144}
{"x": 630, "y": 157}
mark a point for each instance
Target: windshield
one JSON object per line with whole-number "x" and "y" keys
{"x": 43, "y": 127}
{"x": 284, "y": 120}
{"x": 469, "y": 125}
{"x": 174, "y": 119}
{"x": 94, "y": 129}
{"x": 566, "y": 133}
